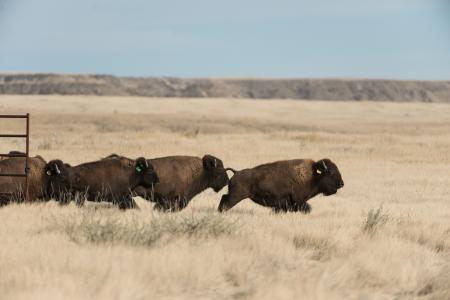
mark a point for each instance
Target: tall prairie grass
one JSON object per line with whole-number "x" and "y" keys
{"x": 385, "y": 235}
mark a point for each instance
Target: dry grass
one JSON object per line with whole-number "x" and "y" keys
{"x": 392, "y": 155}
{"x": 375, "y": 219}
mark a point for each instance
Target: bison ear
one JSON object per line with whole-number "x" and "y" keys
{"x": 320, "y": 167}
{"x": 141, "y": 165}
{"x": 209, "y": 162}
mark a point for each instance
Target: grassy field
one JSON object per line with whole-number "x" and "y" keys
{"x": 385, "y": 235}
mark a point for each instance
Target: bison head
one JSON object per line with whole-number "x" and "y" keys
{"x": 146, "y": 175}
{"x": 216, "y": 174}
{"x": 54, "y": 167}
{"x": 327, "y": 176}
{"x": 58, "y": 177}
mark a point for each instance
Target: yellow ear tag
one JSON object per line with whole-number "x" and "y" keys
{"x": 49, "y": 173}
{"x": 318, "y": 171}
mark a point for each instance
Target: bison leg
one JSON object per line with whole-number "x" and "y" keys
{"x": 127, "y": 202}
{"x": 278, "y": 210}
{"x": 147, "y": 194}
{"x": 229, "y": 200}
{"x": 281, "y": 209}
{"x": 80, "y": 199}
{"x": 236, "y": 193}
{"x": 304, "y": 207}
{"x": 180, "y": 203}
{"x": 171, "y": 205}
{"x": 4, "y": 200}
{"x": 159, "y": 207}
{"x": 65, "y": 199}
{"x": 163, "y": 207}
{"x": 162, "y": 204}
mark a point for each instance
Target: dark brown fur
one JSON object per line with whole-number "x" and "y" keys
{"x": 13, "y": 188}
{"x": 283, "y": 185}
{"x": 103, "y": 180}
{"x": 181, "y": 178}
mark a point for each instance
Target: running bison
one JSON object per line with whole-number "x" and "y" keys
{"x": 14, "y": 188}
{"x": 181, "y": 178}
{"x": 103, "y": 180}
{"x": 283, "y": 185}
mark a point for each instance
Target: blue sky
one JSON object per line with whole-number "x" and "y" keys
{"x": 404, "y": 39}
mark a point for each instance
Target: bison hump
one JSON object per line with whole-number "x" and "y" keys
{"x": 302, "y": 173}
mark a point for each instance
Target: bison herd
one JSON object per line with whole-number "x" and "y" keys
{"x": 170, "y": 182}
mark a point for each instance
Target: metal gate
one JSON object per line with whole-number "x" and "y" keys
{"x": 26, "y": 136}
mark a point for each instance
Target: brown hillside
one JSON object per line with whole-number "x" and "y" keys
{"x": 310, "y": 89}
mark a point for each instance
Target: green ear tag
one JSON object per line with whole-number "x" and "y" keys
{"x": 138, "y": 169}
{"x": 318, "y": 171}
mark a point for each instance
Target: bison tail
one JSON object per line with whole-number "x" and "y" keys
{"x": 230, "y": 169}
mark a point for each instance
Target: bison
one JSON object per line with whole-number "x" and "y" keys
{"x": 103, "y": 180}
{"x": 283, "y": 185}
{"x": 181, "y": 178}
{"x": 12, "y": 153}
{"x": 13, "y": 188}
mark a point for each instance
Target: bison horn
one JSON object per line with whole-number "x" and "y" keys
{"x": 324, "y": 165}
{"x": 57, "y": 169}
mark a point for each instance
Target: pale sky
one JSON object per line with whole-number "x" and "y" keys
{"x": 402, "y": 39}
